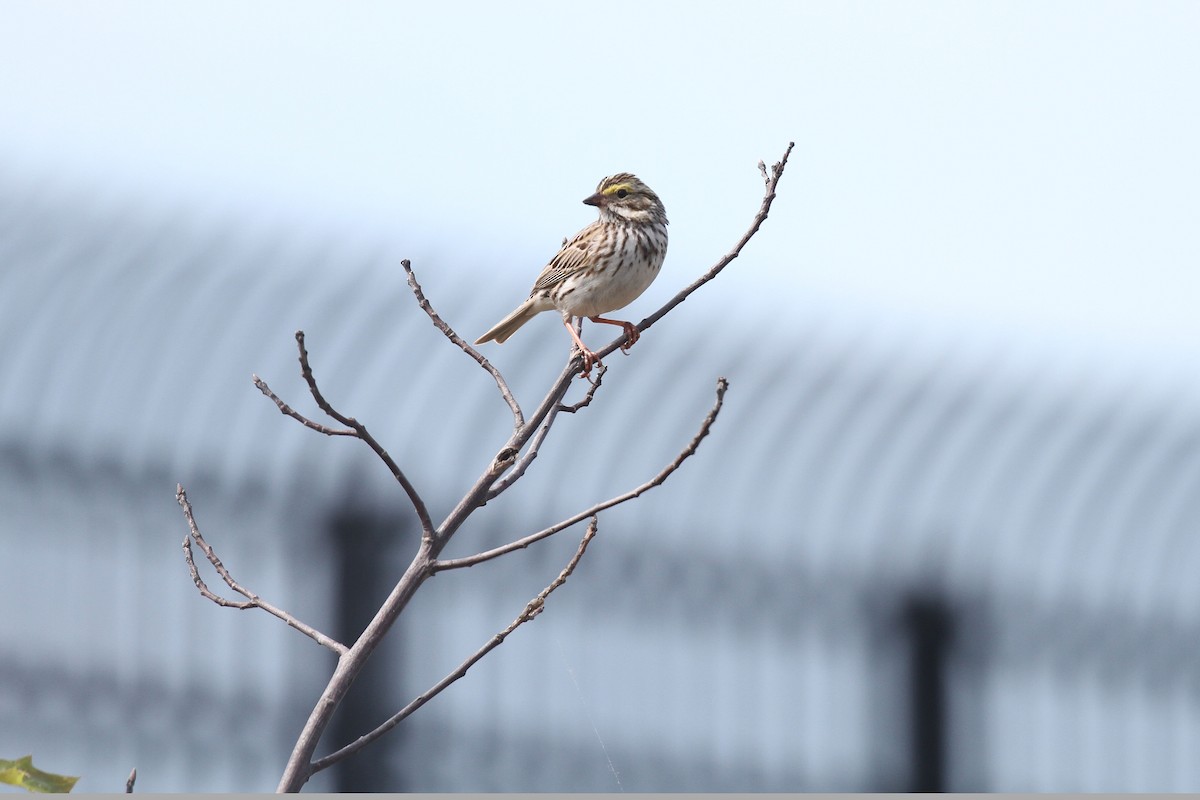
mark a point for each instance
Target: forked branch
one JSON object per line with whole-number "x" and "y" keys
{"x": 657, "y": 480}
{"x": 252, "y": 600}
{"x": 532, "y": 609}
{"x": 353, "y": 428}
{"x": 288, "y": 411}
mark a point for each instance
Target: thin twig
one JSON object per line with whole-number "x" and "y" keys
{"x": 521, "y": 464}
{"x": 306, "y": 372}
{"x": 532, "y": 609}
{"x": 296, "y": 415}
{"x": 444, "y": 327}
{"x": 591, "y": 392}
{"x": 522, "y": 543}
{"x": 130, "y": 781}
{"x": 252, "y": 599}
{"x": 479, "y": 494}
{"x": 203, "y": 587}
{"x": 531, "y": 452}
{"x": 361, "y": 432}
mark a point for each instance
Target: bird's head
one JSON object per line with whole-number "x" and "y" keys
{"x": 623, "y": 197}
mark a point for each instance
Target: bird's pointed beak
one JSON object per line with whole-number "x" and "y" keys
{"x": 593, "y": 200}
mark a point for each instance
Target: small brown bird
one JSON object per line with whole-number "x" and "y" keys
{"x": 604, "y": 267}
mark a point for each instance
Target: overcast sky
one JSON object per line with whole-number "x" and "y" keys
{"x": 1025, "y": 168}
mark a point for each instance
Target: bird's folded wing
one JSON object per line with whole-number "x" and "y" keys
{"x": 573, "y": 257}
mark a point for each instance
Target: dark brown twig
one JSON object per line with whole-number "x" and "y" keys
{"x": 452, "y": 335}
{"x": 361, "y": 432}
{"x": 252, "y": 600}
{"x": 532, "y": 609}
{"x": 522, "y": 543}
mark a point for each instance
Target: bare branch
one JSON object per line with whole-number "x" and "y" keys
{"x": 253, "y": 600}
{"x": 202, "y": 586}
{"x": 296, "y": 415}
{"x": 549, "y": 404}
{"x": 307, "y": 373}
{"x": 361, "y": 432}
{"x": 521, "y": 464}
{"x": 130, "y": 781}
{"x": 522, "y": 543}
{"x": 591, "y": 392}
{"x": 300, "y": 762}
{"x": 480, "y": 492}
{"x": 531, "y": 452}
{"x": 444, "y": 327}
{"x": 532, "y": 609}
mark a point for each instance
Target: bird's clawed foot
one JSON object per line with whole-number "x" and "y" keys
{"x": 632, "y": 334}
{"x": 590, "y": 359}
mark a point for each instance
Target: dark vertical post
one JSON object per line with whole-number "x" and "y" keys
{"x": 929, "y": 627}
{"x": 364, "y": 544}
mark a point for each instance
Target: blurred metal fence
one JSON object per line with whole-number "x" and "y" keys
{"x": 902, "y": 561}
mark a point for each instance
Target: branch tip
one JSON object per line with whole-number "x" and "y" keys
{"x": 452, "y": 335}
{"x": 252, "y": 600}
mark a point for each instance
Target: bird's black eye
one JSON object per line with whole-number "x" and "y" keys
{"x": 622, "y": 193}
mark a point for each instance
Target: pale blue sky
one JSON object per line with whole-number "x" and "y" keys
{"x": 1027, "y": 169}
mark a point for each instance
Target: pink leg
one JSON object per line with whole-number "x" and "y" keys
{"x": 631, "y": 332}
{"x": 589, "y": 358}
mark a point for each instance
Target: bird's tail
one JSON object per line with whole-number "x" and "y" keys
{"x": 509, "y": 325}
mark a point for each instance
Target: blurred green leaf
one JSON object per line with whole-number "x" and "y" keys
{"x": 23, "y": 773}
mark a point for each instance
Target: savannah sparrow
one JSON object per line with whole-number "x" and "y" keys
{"x": 606, "y": 266}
